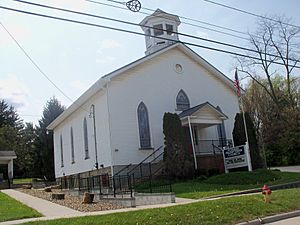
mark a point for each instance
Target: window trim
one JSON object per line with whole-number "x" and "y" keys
{"x": 145, "y": 129}
{"x": 72, "y": 146}
{"x": 180, "y": 108}
{"x": 61, "y": 151}
{"x": 85, "y": 139}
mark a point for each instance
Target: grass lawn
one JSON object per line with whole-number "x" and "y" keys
{"x": 223, "y": 211}
{"x": 10, "y": 209}
{"x": 231, "y": 182}
{"x": 22, "y": 180}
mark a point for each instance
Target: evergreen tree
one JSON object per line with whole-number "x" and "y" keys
{"x": 178, "y": 161}
{"x": 239, "y": 138}
{"x": 44, "y": 141}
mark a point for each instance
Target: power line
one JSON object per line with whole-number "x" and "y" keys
{"x": 137, "y": 33}
{"x": 34, "y": 63}
{"x": 191, "y": 24}
{"x": 136, "y": 24}
{"x": 183, "y": 22}
{"x": 250, "y": 13}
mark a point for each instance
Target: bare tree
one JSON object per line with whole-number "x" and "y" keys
{"x": 277, "y": 52}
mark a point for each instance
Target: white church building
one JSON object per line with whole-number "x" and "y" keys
{"x": 119, "y": 119}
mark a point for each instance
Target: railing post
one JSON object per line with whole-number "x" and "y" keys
{"x": 79, "y": 183}
{"x": 129, "y": 185}
{"x": 100, "y": 189}
{"x": 141, "y": 170}
{"x": 114, "y": 185}
{"x": 120, "y": 185}
{"x": 150, "y": 181}
{"x": 61, "y": 183}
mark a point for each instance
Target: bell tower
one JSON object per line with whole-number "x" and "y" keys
{"x": 162, "y": 25}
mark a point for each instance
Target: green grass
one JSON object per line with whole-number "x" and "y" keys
{"x": 223, "y": 211}
{"x": 22, "y": 180}
{"x": 10, "y": 209}
{"x": 232, "y": 182}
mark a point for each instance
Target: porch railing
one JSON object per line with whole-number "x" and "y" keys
{"x": 211, "y": 147}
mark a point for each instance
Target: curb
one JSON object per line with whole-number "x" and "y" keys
{"x": 289, "y": 185}
{"x": 271, "y": 219}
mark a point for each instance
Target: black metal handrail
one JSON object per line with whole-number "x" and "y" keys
{"x": 124, "y": 168}
{"x": 142, "y": 162}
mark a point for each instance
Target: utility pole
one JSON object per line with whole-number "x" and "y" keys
{"x": 92, "y": 114}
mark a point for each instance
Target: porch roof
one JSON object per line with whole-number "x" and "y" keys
{"x": 204, "y": 113}
{"x": 6, "y": 156}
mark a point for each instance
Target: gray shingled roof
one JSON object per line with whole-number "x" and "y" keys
{"x": 190, "y": 111}
{"x": 7, "y": 154}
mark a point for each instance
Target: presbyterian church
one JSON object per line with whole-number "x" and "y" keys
{"x": 118, "y": 121}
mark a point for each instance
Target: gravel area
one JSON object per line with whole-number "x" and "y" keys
{"x": 72, "y": 201}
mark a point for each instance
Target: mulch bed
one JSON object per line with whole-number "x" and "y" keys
{"x": 72, "y": 201}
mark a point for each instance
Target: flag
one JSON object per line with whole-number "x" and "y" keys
{"x": 237, "y": 84}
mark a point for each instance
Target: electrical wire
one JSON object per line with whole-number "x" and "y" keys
{"x": 37, "y": 66}
{"x": 137, "y": 33}
{"x": 136, "y": 24}
{"x": 183, "y": 22}
{"x": 250, "y": 13}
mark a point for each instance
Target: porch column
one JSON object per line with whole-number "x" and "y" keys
{"x": 192, "y": 141}
{"x": 10, "y": 169}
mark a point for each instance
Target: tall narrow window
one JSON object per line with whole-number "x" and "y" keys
{"x": 182, "y": 101}
{"x": 85, "y": 137}
{"x": 144, "y": 129}
{"x": 221, "y": 132}
{"x": 169, "y": 29}
{"x": 72, "y": 145}
{"x": 61, "y": 152}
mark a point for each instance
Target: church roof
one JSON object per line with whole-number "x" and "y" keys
{"x": 101, "y": 83}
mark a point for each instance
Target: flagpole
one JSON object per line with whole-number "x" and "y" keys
{"x": 245, "y": 124}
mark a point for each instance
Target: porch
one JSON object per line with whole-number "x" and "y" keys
{"x": 6, "y": 158}
{"x": 206, "y": 135}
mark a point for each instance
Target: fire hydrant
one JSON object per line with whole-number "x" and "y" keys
{"x": 267, "y": 193}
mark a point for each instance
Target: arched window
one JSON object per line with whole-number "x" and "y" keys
{"x": 144, "y": 129}
{"x": 85, "y": 138}
{"x": 182, "y": 101}
{"x": 72, "y": 145}
{"x": 221, "y": 132}
{"x": 61, "y": 152}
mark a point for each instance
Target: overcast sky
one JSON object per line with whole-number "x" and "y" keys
{"x": 75, "y": 56}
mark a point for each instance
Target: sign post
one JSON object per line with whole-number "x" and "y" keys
{"x": 236, "y": 157}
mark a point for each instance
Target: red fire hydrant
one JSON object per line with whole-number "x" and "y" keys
{"x": 267, "y": 193}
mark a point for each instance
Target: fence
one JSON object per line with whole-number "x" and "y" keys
{"x": 115, "y": 186}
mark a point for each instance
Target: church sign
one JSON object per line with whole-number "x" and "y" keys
{"x": 235, "y": 157}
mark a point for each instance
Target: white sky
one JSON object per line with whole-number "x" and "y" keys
{"x": 75, "y": 56}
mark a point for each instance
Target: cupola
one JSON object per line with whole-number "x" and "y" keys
{"x": 162, "y": 25}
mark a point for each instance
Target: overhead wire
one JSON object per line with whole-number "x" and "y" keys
{"x": 136, "y": 33}
{"x": 250, "y": 13}
{"x": 183, "y": 22}
{"x": 191, "y": 24}
{"x": 37, "y": 66}
{"x": 136, "y": 24}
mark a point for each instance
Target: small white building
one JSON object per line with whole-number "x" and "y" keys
{"x": 118, "y": 120}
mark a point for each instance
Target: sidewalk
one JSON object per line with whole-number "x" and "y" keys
{"x": 44, "y": 207}
{"x": 53, "y": 211}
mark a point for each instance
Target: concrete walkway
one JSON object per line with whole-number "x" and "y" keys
{"x": 291, "y": 221}
{"x": 295, "y": 169}
{"x": 54, "y": 211}
{"x": 44, "y": 207}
